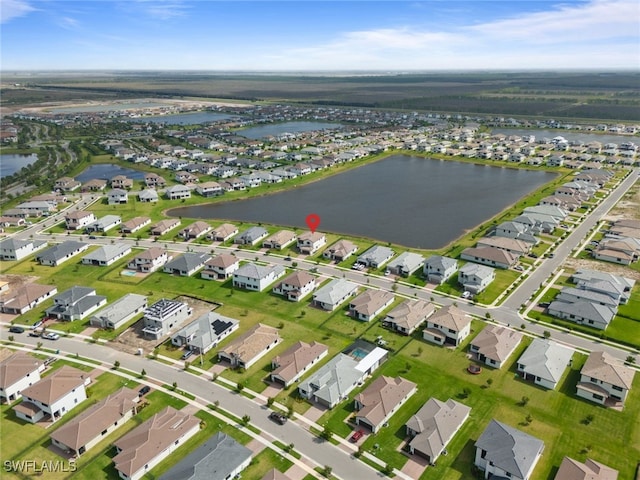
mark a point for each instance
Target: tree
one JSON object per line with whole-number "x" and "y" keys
{"x": 143, "y": 373}
{"x": 239, "y": 387}
{"x": 546, "y": 334}
{"x": 270, "y": 401}
{"x": 387, "y": 470}
{"x": 489, "y": 381}
{"x": 326, "y": 433}
{"x": 524, "y": 401}
{"x": 245, "y": 420}
{"x": 175, "y": 386}
{"x": 116, "y": 365}
{"x": 326, "y": 471}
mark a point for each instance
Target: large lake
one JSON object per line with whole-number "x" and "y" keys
{"x": 185, "y": 118}
{"x": 570, "y": 136}
{"x": 12, "y": 163}
{"x": 107, "y": 171}
{"x": 411, "y": 201}
{"x": 275, "y": 129}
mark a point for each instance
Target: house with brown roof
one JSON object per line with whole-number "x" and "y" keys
{"x": 135, "y": 224}
{"x": 121, "y": 181}
{"x": 250, "y": 347}
{"x": 449, "y": 326}
{"x": 495, "y": 344}
{"x": 492, "y": 257}
{"x": 79, "y": 219}
{"x": 408, "y": 316}
{"x": 53, "y": 396}
{"x": 369, "y": 304}
{"x": 222, "y": 233}
{"x": 280, "y": 240}
{"x": 149, "y": 260}
{"x": 92, "y": 425}
{"x": 21, "y": 300}
{"x": 296, "y": 286}
{"x": 154, "y": 440}
{"x": 571, "y": 469}
{"x": 18, "y": 372}
{"x": 153, "y": 180}
{"x": 340, "y": 251}
{"x": 605, "y": 380}
{"x": 381, "y": 399}
{"x": 220, "y": 267}
{"x": 296, "y": 361}
{"x": 195, "y": 230}
{"x": 164, "y": 226}
{"x": 310, "y": 242}
{"x": 511, "y": 245}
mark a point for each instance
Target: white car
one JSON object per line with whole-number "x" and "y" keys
{"x": 50, "y": 336}
{"x": 466, "y": 294}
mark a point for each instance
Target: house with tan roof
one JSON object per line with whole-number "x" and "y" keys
{"x": 340, "y": 251}
{"x": 91, "y": 426}
{"x": 511, "y": 245}
{"x": 195, "y": 230}
{"x": 296, "y": 286}
{"x": 296, "y": 361}
{"x": 250, "y": 347}
{"x": 274, "y": 474}
{"x": 310, "y": 242}
{"x": 164, "y": 226}
{"x": 149, "y": 260}
{"x": 21, "y": 300}
{"x": 449, "y": 326}
{"x": 154, "y": 440}
{"x": 17, "y": 372}
{"x": 571, "y": 469}
{"x": 280, "y": 240}
{"x": 408, "y": 316}
{"x": 370, "y": 304}
{"x": 135, "y": 224}
{"x": 220, "y": 267}
{"x": 53, "y": 396}
{"x": 433, "y": 426}
{"x": 381, "y": 399}
{"x": 222, "y": 233}
{"x": 605, "y": 380}
{"x": 492, "y": 257}
{"x": 495, "y": 344}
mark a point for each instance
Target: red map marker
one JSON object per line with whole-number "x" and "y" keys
{"x": 313, "y": 221}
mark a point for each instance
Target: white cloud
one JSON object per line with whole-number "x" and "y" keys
{"x": 14, "y": 8}
{"x": 68, "y": 22}
{"x": 163, "y": 9}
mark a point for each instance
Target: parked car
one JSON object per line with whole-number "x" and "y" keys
{"x": 144, "y": 390}
{"x": 16, "y": 329}
{"x": 466, "y": 294}
{"x": 50, "y": 336}
{"x": 279, "y": 418}
{"x": 519, "y": 268}
{"x": 34, "y": 333}
{"x": 187, "y": 354}
{"x": 357, "y": 436}
{"x": 38, "y": 323}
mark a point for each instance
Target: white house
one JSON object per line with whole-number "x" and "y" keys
{"x": 79, "y": 219}
{"x": 544, "y": 362}
{"x": 449, "y": 326}
{"x": 380, "y": 400}
{"x": 256, "y": 277}
{"x": 220, "y": 267}
{"x": 14, "y": 249}
{"x": 310, "y": 242}
{"x": 296, "y": 286}
{"x": 605, "y": 380}
{"x": 17, "y": 372}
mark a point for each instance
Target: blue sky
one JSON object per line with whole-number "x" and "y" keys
{"x": 329, "y": 35}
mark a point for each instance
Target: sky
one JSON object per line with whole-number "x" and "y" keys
{"x": 300, "y": 35}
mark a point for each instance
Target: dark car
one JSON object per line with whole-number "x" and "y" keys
{"x": 34, "y": 333}
{"x": 16, "y": 329}
{"x": 279, "y": 418}
{"x": 144, "y": 390}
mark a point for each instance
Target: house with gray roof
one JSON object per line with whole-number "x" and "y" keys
{"x": 538, "y": 222}
{"x": 405, "y": 264}
{"x": 583, "y": 312}
{"x": 219, "y": 458}
{"x": 495, "y": 344}
{"x": 408, "y": 316}
{"x": 333, "y": 381}
{"x": 186, "y": 264}
{"x": 204, "y": 333}
{"x": 511, "y": 245}
{"x": 37, "y": 208}
{"x": 544, "y": 362}
{"x": 376, "y": 256}
{"x": 433, "y": 426}
{"x": 333, "y": 294}
{"x": 616, "y": 286}
{"x": 177, "y": 192}
{"x": 475, "y": 278}
{"x": 438, "y": 269}
{"x": 14, "y": 249}
{"x": 605, "y": 380}
{"x": 503, "y": 451}
{"x": 117, "y": 196}
{"x": 58, "y": 254}
{"x": 257, "y": 277}
{"x": 148, "y": 196}
{"x": 107, "y": 254}
{"x": 517, "y": 230}
{"x": 572, "y": 294}
{"x": 119, "y": 312}
{"x": 548, "y": 210}
{"x": 104, "y": 224}
{"x": 251, "y": 236}
{"x": 75, "y": 303}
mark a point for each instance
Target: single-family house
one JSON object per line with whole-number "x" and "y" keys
{"x": 296, "y": 286}
{"x": 251, "y": 236}
{"x": 333, "y": 381}
{"x": 94, "y": 185}
{"x": 492, "y": 257}
{"x": 448, "y": 326}
{"x": 505, "y": 452}
{"x": 14, "y": 249}
{"x": 164, "y": 316}
{"x": 75, "y": 303}
{"x": 149, "y": 260}
{"x": 117, "y": 196}
{"x": 164, "y": 226}
{"x": 178, "y": 192}
{"x": 280, "y": 240}
{"x": 118, "y": 313}
{"x": 37, "y": 208}
{"x": 380, "y": 400}
{"x": 511, "y": 245}
{"x": 91, "y": 426}
{"x": 205, "y": 333}
{"x": 195, "y": 230}
{"x": 256, "y": 277}
{"x": 586, "y": 310}
{"x": 17, "y": 372}
{"x": 58, "y": 254}
{"x": 219, "y": 458}
{"x": 408, "y": 316}
{"x": 152, "y": 441}
{"x": 148, "y": 196}
{"x": 405, "y": 264}
{"x": 376, "y": 256}
{"x": 186, "y": 264}
{"x": 20, "y": 300}
{"x": 333, "y": 294}
{"x": 622, "y": 250}
{"x": 615, "y": 286}
{"x": 494, "y": 344}
{"x": 544, "y": 362}
{"x": 369, "y": 304}
{"x": 605, "y": 380}
{"x": 289, "y": 366}
{"x": 220, "y": 267}
{"x": 433, "y": 426}
{"x": 135, "y": 224}
{"x": 310, "y": 242}
{"x": 475, "y": 278}
{"x": 153, "y": 180}
{"x": 250, "y": 347}
{"x": 340, "y": 251}
{"x": 107, "y": 254}
{"x": 121, "y": 181}
{"x": 209, "y": 189}
{"x": 53, "y": 396}
{"x": 571, "y": 469}
{"x": 222, "y": 233}
{"x": 517, "y": 230}
{"x": 67, "y": 184}
{"x": 104, "y": 224}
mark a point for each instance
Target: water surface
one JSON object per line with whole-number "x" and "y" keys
{"x": 11, "y": 163}
{"x": 277, "y": 129}
{"x": 107, "y": 171}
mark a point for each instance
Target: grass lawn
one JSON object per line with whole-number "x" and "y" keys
{"x": 265, "y": 461}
